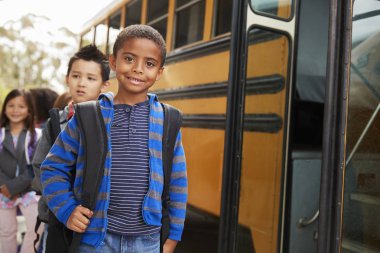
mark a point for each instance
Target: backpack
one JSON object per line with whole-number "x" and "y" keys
{"x": 91, "y": 124}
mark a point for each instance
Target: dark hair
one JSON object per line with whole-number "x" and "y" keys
{"x": 43, "y": 101}
{"x": 140, "y": 31}
{"x": 62, "y": 100}
{"x": 29, "y": 122}
{"x": 91, "y": 53}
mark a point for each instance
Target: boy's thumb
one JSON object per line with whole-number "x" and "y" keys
{"x": 87, "y": 212}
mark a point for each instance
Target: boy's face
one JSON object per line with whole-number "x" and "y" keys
{"x": 137, "y": 66}
{"x": 85, "y": 81}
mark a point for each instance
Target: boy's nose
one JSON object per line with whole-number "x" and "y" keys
{"x": 137, "y": 68}
{"x": 82, "y": 82}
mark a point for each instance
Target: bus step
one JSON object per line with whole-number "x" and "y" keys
{"x": 356, "y": 247}
{"x": 366, "y": 198}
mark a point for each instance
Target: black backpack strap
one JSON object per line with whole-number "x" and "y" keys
{"x": 55, "y": 129}
{"x": 172, "y": 125}
{"x": 91, "y": 125}
{"x": 55, "y": 124}
{"x": 36, "y": 227}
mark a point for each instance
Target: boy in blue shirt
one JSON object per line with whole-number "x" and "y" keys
{"x": 128, "y": 213}
{"x": 87, "y": 74}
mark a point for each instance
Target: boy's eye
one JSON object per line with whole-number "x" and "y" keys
{"x": 91, "y": 79}
{"x": 150, "y": 64}
{"x": 128, "y": 58}
{"x": 75, "y": 76}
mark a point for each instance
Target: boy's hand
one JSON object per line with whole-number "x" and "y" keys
{"x": 169, "y": 246}
{"x": 79, "y": 219}
{"x": 4, "y": 190}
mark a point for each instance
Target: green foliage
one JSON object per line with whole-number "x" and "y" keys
{"x": 3, "y": 92}
{"x": 32, "y": 55}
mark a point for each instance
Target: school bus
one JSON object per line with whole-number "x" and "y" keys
{"x": 280, "y": 100}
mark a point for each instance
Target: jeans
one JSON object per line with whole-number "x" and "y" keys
{"x": 114, "y": 243}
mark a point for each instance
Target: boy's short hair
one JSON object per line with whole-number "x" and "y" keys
{"x": 140, "y": 31}
{"x": 91, "y": 53}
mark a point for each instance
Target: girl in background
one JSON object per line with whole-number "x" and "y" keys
{"x": 18, "y": 140}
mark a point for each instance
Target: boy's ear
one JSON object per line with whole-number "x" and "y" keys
{"x": 112, "y": 62}
{"x": 159, "y": 74}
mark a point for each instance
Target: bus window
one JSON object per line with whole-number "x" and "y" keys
{"x": 87, "y": 38}
{"x": 101, "y": 36}
{"x": 133, "y": 13}
{"x": 361, "y": 220}
{"x": 113, "y": 30}
{"x": 189, "y": 22}
{"x": 223, "y": 17}
{"x": 157, "y": 15}
{"x": 263, "y": 141}
{"x": 279, "y": 8}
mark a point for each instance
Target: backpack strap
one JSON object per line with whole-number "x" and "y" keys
{"x": 172, "y": 125}
{"x": 2, "y": 136}
{"x": 55, "y": 124}
{"x": 92, "y": 128}
{"x": 55, "y": 129}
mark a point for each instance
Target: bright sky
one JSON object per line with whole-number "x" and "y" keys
{"x": 72, "y": 14}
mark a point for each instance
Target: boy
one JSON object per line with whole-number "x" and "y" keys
{"x": 127, "y": 217}
{"x": 87, "y": 74}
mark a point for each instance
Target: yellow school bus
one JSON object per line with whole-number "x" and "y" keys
{"x": 280, "y": 100}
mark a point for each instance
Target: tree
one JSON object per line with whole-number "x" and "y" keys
{"x": 34, "y": 53}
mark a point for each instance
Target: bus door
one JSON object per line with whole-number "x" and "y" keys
{"x": 258, "y": 111}
{"x": 361, "y": 199}
{"x": 296, "y": 151}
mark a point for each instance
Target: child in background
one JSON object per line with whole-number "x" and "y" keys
{"x": 18, "y": 141}
{"x": 128, "y": 213}
{"x": 87, "y": 74}
{"x": 43, "y": 101}
{"x": 63, "y": 100}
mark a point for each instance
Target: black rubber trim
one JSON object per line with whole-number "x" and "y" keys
{"x": 267, "y": 123}
{"x": 260, "y": 85}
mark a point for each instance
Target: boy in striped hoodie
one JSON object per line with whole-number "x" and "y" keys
{"x": 128, "y": 213}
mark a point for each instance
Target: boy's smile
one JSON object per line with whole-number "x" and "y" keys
{"x": 137, "y": 66}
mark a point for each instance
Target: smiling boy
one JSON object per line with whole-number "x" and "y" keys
{"x": 128, "y": 214}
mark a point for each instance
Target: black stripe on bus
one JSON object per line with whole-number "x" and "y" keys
{"x": 259, "y": 85}
{"x": 216, "y": 46}
{"x": 267, "y": 123}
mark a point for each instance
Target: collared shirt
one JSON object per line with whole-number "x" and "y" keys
{"x": 71, "y": 111}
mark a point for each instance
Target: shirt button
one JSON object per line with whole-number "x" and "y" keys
{"x": 127, "y": 109}
{"x": 134, "y": 131}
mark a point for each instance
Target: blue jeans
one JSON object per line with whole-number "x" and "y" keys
{"x": 114, "y": 243}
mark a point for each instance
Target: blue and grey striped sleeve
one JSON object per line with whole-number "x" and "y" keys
{"x": 57, "y": 170}
{"x": 178, "y": 191}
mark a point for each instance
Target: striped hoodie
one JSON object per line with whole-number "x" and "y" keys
{"x": 66, "y": 156}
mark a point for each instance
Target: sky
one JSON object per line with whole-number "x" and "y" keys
{"x": 72, "y": 14}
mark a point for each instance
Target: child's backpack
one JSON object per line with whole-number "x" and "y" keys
{"x": 91, "y": 124}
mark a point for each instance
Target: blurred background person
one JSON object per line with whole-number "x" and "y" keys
{"x": 18, "y": 141}
{"x": 44, "y": 99}
{"x": 62, "y": 100}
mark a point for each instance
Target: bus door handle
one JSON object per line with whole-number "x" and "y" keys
{"x": 304, "y": 221}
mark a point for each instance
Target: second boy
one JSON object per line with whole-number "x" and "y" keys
{"x": 87, "y": 74}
